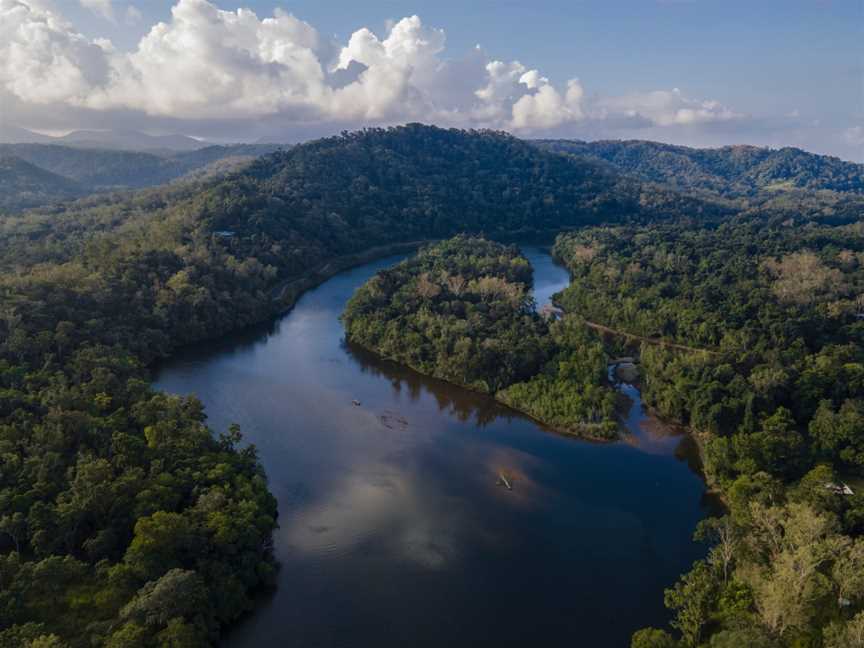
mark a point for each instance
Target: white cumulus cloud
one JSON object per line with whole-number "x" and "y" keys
{"x": 44, "y": 60}
{"x": 207, "y": 64}
{"x": 547, "y": 108}
{"x": 667, "y": 108}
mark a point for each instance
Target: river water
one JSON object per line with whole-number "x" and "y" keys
{"x": 394, "y": 530}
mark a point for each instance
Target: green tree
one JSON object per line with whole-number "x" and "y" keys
{"x": 846, "y": 635}
{"x": 652, "y": 638}
{"x": 162, "y": 542}
{"x": 692, "y": 599}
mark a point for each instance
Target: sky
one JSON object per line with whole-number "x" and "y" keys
{"x": 694, "y": 72}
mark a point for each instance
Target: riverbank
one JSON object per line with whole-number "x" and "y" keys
{"x": 583, "y": 431}
{"x": 286, "y": 294}
{"x": 402, "y": 526}
{"x": 698, "y": 439}
{"x": 463, "y": 311}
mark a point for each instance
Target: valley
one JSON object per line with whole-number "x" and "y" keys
{"x": 116, "y": 491}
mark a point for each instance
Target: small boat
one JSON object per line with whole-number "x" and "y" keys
{"x": 503, "y": 480}
{"x": 355, "y": 403}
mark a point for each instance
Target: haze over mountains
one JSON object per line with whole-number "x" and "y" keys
{"x": 24, "y": 185}
{"x": 35, "y": 174}
{"x": 40, "y": 170}
{"x": 123, "y": 140}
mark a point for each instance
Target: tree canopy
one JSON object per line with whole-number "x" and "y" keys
{"x": 775, "y": 398}
{"x": 119, "y": 507}
{"x": 462, "y": 311}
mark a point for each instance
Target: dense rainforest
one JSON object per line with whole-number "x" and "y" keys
{"x": 759, "y": 182}
{"x": 776, "y": 398}
{"x": 729, "y": 171}
{"x": 124, "y": 521}
{"x": 462, "y": 311}
{"x": 107, "y": 487}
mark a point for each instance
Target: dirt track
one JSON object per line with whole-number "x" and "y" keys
{"x": 655, "y": 341}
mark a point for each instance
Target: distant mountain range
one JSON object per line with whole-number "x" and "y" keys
{"x": 84, "y": 162}
{"x": 131, "y": 141}
{"x": 119, "y": 140}
{"x": 24, "y": 185}
{"x": 41, "y": 174}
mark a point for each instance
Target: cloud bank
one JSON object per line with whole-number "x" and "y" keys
{"x": 209, "y": 63}
{"x": 208, "y": 70}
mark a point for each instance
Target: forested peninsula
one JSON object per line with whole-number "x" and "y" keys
{"x": 462, "y": 310}
{"x": 125, "y": 521}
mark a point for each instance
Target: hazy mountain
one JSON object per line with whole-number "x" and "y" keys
{"x": 128, "y": 140}
{"x": 98, "y": 169}
{"x": 118, "y": 140}
{"x": 93, "y": 170}
{"x": 203, "y": 156}
{"x": 14, "y": 135}
{"x": 24, "y": 185}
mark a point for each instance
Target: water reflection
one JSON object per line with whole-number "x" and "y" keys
{"x": 466, "y": 406}
{"x": 394, "y": 529}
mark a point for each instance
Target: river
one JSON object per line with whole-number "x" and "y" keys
{"x": 394, "y": 530}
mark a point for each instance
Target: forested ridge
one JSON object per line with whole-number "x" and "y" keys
{"x": 778, "y": 407}
{"x": 24, "y": 185}
{"x": 462, "y": 311}
{"x": 45, "y": 174}
{"x": 729, "y": 170}
{"x": 125, "y": 522}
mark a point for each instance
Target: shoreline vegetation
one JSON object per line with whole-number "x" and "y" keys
{"x": 117, "y": 502}
{"x": 117, "y": 494}
{"x": 286, "y": 294}
{"x": 462, "y": 311}
{"x": 120, "y": 496}
{"x": 776, "y": 411}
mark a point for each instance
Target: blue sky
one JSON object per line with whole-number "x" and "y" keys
{"x": 765, "y": 71}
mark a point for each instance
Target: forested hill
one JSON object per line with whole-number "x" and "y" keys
{"x": 462, "y": 311}
{"x": 412, "y": 182}
{"x": 93, "y": 170}
{"x": 728, "y": 171}
{"x": 124, "y": 521}
{"x": 25, "y": 185}
{"x": 339, "y": 195}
